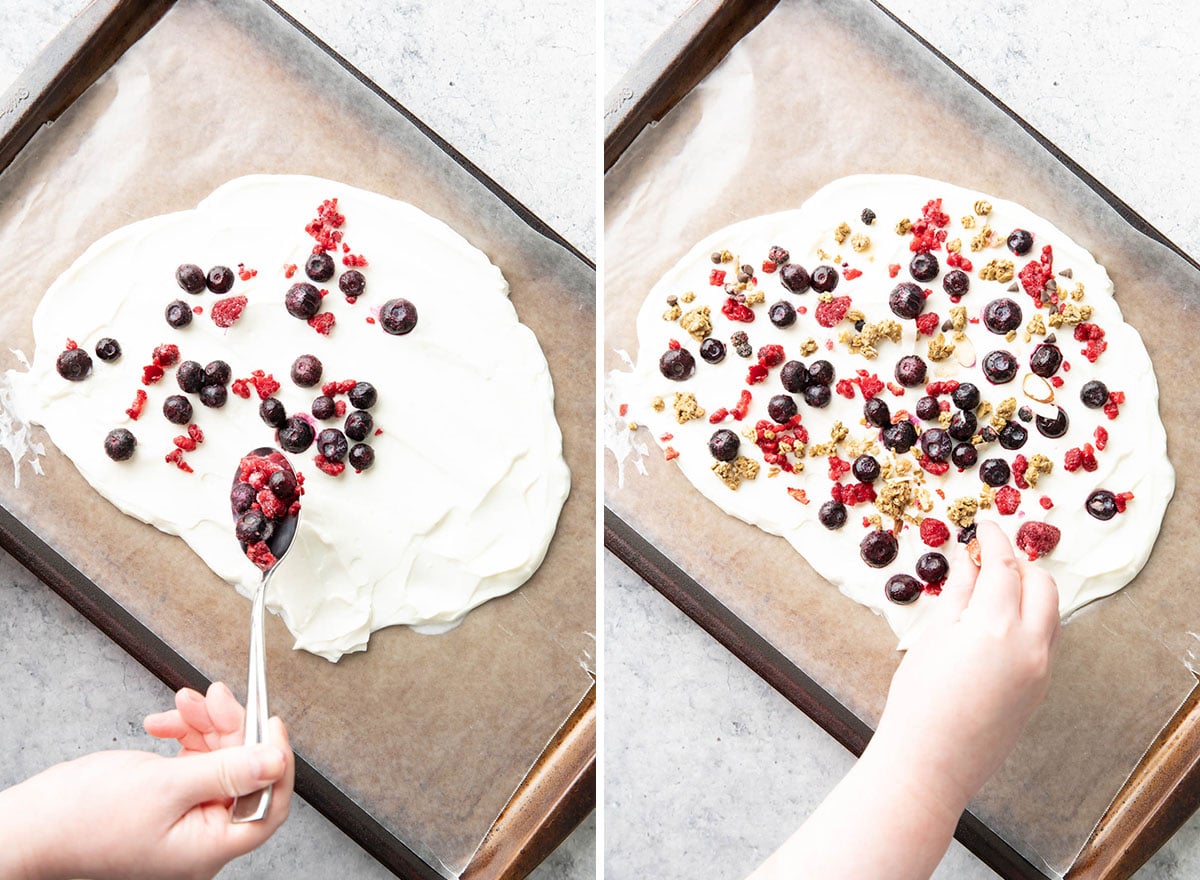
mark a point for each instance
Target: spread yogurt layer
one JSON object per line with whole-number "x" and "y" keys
{"x": 870, "y": 374}
{"x": 370, "y": 341}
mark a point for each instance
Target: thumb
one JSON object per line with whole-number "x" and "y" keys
{"x": 225, "y": 773}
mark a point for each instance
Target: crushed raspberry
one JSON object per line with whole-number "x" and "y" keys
{"x": 1089, "y": 458}
{"x": 893, "y": 270}
{"x": 351, "y": 299}
{"x": 378, "y": 431}
{"x": 869, "y": 384}
{"x": 771, "y": 355}
{"x": 757, "y": 373}
{"x": 269, "y": 504}
{"x": 768, "y": 436}
{"x": 937, "y": 468}
{"x": 933, "y": 389}
{"x": 670, "y": 455}
{"x": 289, "y": 270}
{"x": 830, "y": 313}
{"x": 799, "y": 494}
{"x": 1101, "y": 437}
{"x": 1094, "y": 336}
{"x": 718, "y": 415}
{"x": 897, "y": 390}
{"x": 769, "y": 266}
{"x": 1074, "y": 459}
{"x": 165, "y": 355}
{"x": 334, "y": 468}
{"x": 339, "y": 408}
{"x": 151, "y": 373}
{"x": 241, "y": 387}
{"x": 1046, "y": 502}
{"x": 264, "y": 383}
{"x": 623, "y": 410}
{"x": 260, "y": 554}
{"x": 851, "y": 274}
{"x": 354, "y": 261}
{"x": 838, "y": 468}
{"x": 927, "y": 323}
{"x": 743, "y": 406}
{"x": 1056, "y": 381}
{"x": 1019, "y": 466}
{"x": 71, "y": 344}
{"x": 737, "y": 311}
{"x": 1121, "y": 499}
{"x": 139, "y": 403}
{"x": 927, "y": 232}
{"x": 674, "y": 345}
{"x": 1036, "y": 273}
{"x": 1037, "y": 539}
{"x": 343, "y": 386}
{"x": 187, "y": 444}
{"x": 175, "y": 457}
{"x": 195, "y": 433}
{"x": 845, "y": 388}
{"x": 370, "y": 320}
{"x": 666, "y": 438}
{"x": 958, "y": 261}
{"x": 1008, "y": 500}
{"x": 857, "y": 493}
{"x": 226, "y": 312}
{"x": 717, "y": 277}
{"x": 244, "y": 273}
{"x": 324, "y": 227}
{"x": 322, "y": 323}
{"x": 1112, "y": 405}
{"x": 934, "y": 532}
{"x": 934, "y": 589}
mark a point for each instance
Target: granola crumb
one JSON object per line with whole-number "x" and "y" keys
{"x": 697, "y": 322}
{"x": 903, "y": 227}
{"x": 672, "y": 313}
{"x": 958, "y": 318}
{"x": 996, "y": 270}
{"x": 731, "y": 473}
{"x": 686, "y": 408}
{"x": 755, "y": 297}
{"x": 808, "y": 346}
{"x": 841, "y": 233}
{"x": 939, "y": 349}
{"x": 657, "y": 404}
{"x": 962, "y": 511}
{"x": 968, "y": 222}
{"x": 983, "y": 207}
{"x": 688, "y": 296}
{"x": 982, "y": 239}
{"x": 860, "y": 243}
{"x": 954, "y": 246}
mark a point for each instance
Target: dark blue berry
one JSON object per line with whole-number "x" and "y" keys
{"x": 820, "y": 373}
{"x": 296, "y": 435}
{"x": 865, "y": 469}
{"x": 190, "y": 377}
{"x": 903, "y": 589}
{"x": 994, "y": 471}
{"x": 956, "y": 283}
{"x": 283, "y": 486}
{"x": 723, "y": 445}
{"x": 964, "y": 456}
{"x": 108, "y": 349}
{"x": 999, "y": 367}
{"x": 307, "y": 370}
{"x": 1002, "y": 315}
{"x": 936, "y": 444}
{"x": 217, "y": 373}
{"x": 677, "y": 364}
{"x": 251, "y": 527}
{"x": 932, "y": 568}
{"x": 352, "y": 283}
{"x": 178, "y": 314}
{"x": 1020, "y": 241}
{"x": 878, "y": 548}
{"x": 359, "y": 425}
{"x": 782, "y": 314}
{"x": 1094, "y": 394}
{"x": 177, "y": 409}
{"x": 302, "y": 301}
{"x": 324, "y": 408}
{"x": 190, "y": 277}
{"x": 1102, "y": 504}
{"x": 900, "y": 437}
{"x": 361, "y": 456}
{"x": 214, "y": 396}
{"x": 363, "y": 395}
{"x": 877, "y": 413}
{"x": 119, "y": 444}
{"x": 242, "y": 497}
{"x": 928, "y": 409}
{"x": 74, "y": 364}
{"x": 962, "y": 425}
{"x": 824, "y": 279}
{"x": 398, "y": 316}
{"x": 965, "y": 396}
{"x": 818, "y": 396}
{"x": 795, "y": 278}
{"x": 923, "y": 267}
{"x": 220, "y": 279}
{"x": 1013, "y": 435}
{"x": 910, "y": 371}
{"x": 319, "y": 267}
{"x": 832, "y": 514}
{"x": 781, "y": 408}
{"x": 331, "y": 443}
{"x": 273, "y": 412}
{"x": 712, "y": 350}
{"x": 794, "y": 376}
{"x": 906, "y": 300}
{"x": 1055, "y": 427}
{"x": 1045, "y": 360}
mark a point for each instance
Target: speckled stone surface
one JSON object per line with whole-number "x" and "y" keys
{"x": 70, "y": 690}
{"x": 707, "y": 768}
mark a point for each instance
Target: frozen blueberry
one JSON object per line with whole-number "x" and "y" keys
{"x": 962, "y": 425}
{"x": 359, "y": 425}
{"x": 795, "y": 278}
{"x": 108, "y": 349}
{"x": 910, "y": 371}
{"x": 177, "y": 409}
{"x": 319, "y": 267}
{"x": 832, "y": 514}
{"x": 900, "y": 437}
{"x": 352, "y": 282}
{"x": 1045, "y": 360}
{"x": 794, "y": 376}
{"x": 220, "y": 279}
{"x": 242, "y": 497}
{"x": 994, "y": 471}
{"x": 1102, "y": 504}
{"x": 324, "y": 408}
{"x": 818, "y": 396}
{"x": 1055, "y": 427}
{"x": 712, "y": 350}
{"x": 903, "y": 589}
{"x": 865, "y": 469}
{"x": 933, "y": 568}
{"x": 283, "y": 485}
{"x": 824, "y": 279}
{"x": 217, "y": 373}
{"x": 251, "y": 527}
{"x": 190, "y": 377}
{"x": 302, "y": 301}
{"x": 1025, "y": 414}
{"x": 956, "y": 283}
{"x": 876, "y": 412}
{"x": 923, "y": 267}
{"x": 190, "y": 277}
{"x": 363, "y": 395}
{"x": 296, "y": 435}
{"x": 1020, "y": 241}
{"x": 119, "y": 444}
{"x": 964, "y": 456}
{"x": 361, "y": 456}
{"x": 936, "y": 444}
{"x": 778, "y": 255}
{"x": 781, "y": 408}
{"x": 867, "y": 216}
{"x": 74, "y": 364}
{"x": 273, "y": 412}
{"x": 178, "y": 314}
{"x": 677, "y": 364}
{"x": 965, "y": 396}
{"x": 820, "y": 373}
{"x": 906, "y": 300}
{"x": 878, "y": 548}
{"x": 331, "y": 443}
{"x": 398, "y": 316}
{"x": 927, "y": 408}
{"x": 1013, "y": 435}
{"x": 723, "y": 445}
{"x": 999, "y": 367}
{"x": 306, "y": 370}
{"x": 1094, "y": 394}
{"x": 1002, "y": 315}
{"x": 782, "y": 314}
{"x": 214, "y": 396}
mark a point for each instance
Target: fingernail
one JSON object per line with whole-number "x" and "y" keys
{"x": 268, "y": 762}
{"x": 191, "y": 695}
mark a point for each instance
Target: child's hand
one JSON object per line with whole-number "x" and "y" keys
{"x": 132, "y": 815}
{"x": 963, "y": 694}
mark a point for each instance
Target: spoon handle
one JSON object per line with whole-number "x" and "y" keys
{"x": 253, "y": 807}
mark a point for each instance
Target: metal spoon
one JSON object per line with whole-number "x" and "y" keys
{"x": 253, "y": 807}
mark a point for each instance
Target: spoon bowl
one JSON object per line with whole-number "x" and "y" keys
{"x": 265, "y": 526}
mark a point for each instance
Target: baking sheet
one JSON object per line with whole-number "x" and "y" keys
{"x": 777, "y": 119}
{"x": 430, "y": 735}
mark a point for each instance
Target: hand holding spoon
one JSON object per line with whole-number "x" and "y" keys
{"x": 265, "y": 501}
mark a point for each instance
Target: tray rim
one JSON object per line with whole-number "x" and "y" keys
{"x": 559, "y": 791}
{"x": 1149, "y": 808}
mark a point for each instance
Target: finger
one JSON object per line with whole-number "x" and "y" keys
{"x": 1039, "y": 601}
{"x": 194, "y": 709}
{"x": 165, "y": 725}
{"x": 225, "y": 773}
{"x": 225, "y": 711}
{"x": 957, "y": 591}
{"x": 997, "y": 594}
{"x": 245, "y": 837}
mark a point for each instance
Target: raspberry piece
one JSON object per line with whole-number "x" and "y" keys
{"x": 1046, "y": 502}
{"x": 260, "y": 554}
{"x": 718, "y": 416}
{"x": 717, "y": 277}
{"x": 756, "y": 374}
{"x": 830, "y": 313}
{"x": 195, "y": 433}
{"x": 893, "y": 270}
{"x": 1111, "y": 406}
{"x": 1072, "y": 460}
{"x": 187, "y": 444}
{"x": 737, "y": 311}
{"x": 175, "y": 457}
{"x": 927, "y": 323}
{"x": 244, "y": 273}
{"x": 845, "y": 388}
{"x": 937, "y": 468}
{"x": 1101, "y": 437}
{"x": 934, "y": 532}
{"x": 227, "y": 311}
{"x": 1089, "y": 458}
{"x": 139, "y": 403}
{"x": 71, "y": 344}
{"x": 1037, "y": 539}
{"x": 264, "y": 383}
{"x": 838, "y": 468}
{"x": 322, "y": 323}
{"x": 769, "y": 266}
{"x": 1121, "y": 499}
{"x": 770, "y": 355}
{"x": 165, "y": 355}
{"x": 743, "y": 405}
{"x": 1019, "y": 466}
{"x": 869, "y": 384}
{"x": 1036, "y": 273}
{"x": 241, "y": 387}
{"x": 799, "y": 494}
{"x": 851, "y": 274}
{"x": 1008, "y": 500}
{"x": 289, "y": 270}
{"x": 269, "y": 504}
{"x": 151, "y": 373}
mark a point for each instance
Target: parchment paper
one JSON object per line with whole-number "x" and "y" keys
{"x": 823, "y": 89}
{"x": 431, "y": 735}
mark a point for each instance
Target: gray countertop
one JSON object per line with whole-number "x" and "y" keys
{"x": 708, "y": 769}
{"x": 70, "y": 690}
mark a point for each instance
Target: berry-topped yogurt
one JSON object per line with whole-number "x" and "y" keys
{"x": 370, "y": 342}
{"x": 870, "y": 374}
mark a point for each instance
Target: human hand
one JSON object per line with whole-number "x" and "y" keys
{"x": 963, "y": 694}
{"x": 131, "y": 815}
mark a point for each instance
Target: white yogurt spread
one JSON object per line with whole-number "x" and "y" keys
{"x": 1093, "y": 558}
{"x": 468, "y": 479}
